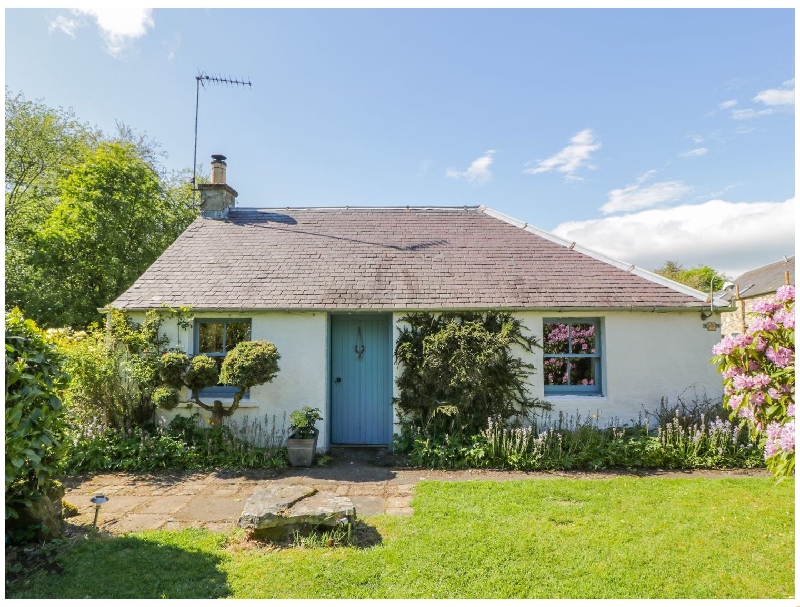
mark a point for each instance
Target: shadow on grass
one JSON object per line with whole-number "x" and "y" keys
{"x": 169, "y": 566}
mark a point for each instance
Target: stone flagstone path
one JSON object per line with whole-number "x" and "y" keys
{"x": 215, "y": 500}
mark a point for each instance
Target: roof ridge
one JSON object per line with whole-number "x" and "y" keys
{"x": 623, "y": 265}
{"x": 462, "y": 207}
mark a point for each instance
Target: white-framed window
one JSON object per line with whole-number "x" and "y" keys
{"x": 215, "y": 337}
{"x": 572, "y": 356}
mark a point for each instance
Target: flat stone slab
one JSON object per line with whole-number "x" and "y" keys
{"x": 277, "y": 510}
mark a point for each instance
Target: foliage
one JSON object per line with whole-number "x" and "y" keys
{"x": 758, "y": 372}
{"x": 186, "y": 443}
{"x": 678, "y": 441}
{"x": 41, "y": 143}
{"x": 617, "y": 537}
{"x": 458, "y": 369}
{"x": 303, "y": 422}
{"x": 113, "y": 220}
{"x": 86, "y": 213}
{"x": 115, "y": 370}
{"x": 250, "y": 363}
{"x": 34, "y": 415}
{"x": 698, "y": 277}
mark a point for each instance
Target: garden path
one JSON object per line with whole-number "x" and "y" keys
{"x": 214, "y": 500}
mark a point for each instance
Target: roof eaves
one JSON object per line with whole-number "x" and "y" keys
{"x": 622, "y": 265}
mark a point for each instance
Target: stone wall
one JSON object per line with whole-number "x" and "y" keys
{"x": 738, "y": 321}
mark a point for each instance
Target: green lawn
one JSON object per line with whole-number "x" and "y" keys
{"x": 621, "y": 538}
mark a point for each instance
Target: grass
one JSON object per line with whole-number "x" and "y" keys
{"x": 625, "y": 537}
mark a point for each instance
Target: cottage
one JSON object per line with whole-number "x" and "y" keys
{"x": 753, "y": 286}
{"x": 328, "y": 286}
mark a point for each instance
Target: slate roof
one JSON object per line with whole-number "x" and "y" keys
{"x": 389, "y": 258}
{"x": 765, "y": 279}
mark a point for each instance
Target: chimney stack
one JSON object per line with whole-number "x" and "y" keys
{"x": 217, "y": 197}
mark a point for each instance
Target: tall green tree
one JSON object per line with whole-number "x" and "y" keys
{"x": 698, "y": 277}
{"x": 114, "y": 219}
{"x": 86, "y": 213}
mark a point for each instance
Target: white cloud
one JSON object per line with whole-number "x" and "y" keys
{"x": 732, "y": 237}
{"x": 172, "y": 46}
{"x": 478, "y": 172}
{"x": 65, "y": 24}
{"x": 694, "y": 152}
{"x": 727, "y": 104}
{"x": 634, "y": 196}
{"x": 118, "y": 26}
{"x": 727, "y": 188}
{"x": 750, "y": 113}
{"x": 571, "y": 158}
{"x": 777, "y": 100}
{"x": 780, "y": 96}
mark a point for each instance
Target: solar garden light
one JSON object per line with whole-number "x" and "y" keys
{"x": 97, "y": 500}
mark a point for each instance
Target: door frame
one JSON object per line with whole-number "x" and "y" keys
{"x": 389, "y": 430}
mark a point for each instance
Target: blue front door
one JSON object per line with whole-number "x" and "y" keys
{"x": 361, "y": 379}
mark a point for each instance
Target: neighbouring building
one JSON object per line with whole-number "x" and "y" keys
{"x": 752, "y": 286}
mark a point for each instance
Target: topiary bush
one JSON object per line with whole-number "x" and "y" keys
{"x": 35, "y": 428}
{"x": 250, "y": 363}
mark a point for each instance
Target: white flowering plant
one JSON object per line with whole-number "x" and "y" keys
{"x": 758, "y": 371}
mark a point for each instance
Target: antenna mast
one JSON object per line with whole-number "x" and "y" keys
{"x": 201, "y": 79}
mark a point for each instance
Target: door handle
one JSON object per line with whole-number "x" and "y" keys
{"x": 338, "y": 380}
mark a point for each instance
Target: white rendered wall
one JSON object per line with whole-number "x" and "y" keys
{"x": 646, "y": 355}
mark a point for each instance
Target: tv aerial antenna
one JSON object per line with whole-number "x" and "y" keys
{"x": 200, "y": 80}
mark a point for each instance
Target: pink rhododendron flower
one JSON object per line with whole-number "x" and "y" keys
{"x": 735, "y": 401}
{"x": 752, "y": 365}
{"x": 724, "y": 347}
{"x": 785, "y": 293}
{"x": 763, "y": 323}
{"x": 790, "y": 410}
{"x": 757, "y": 398}
{"x": 766, "y": 306}
{"x": 760, "y": 343}
{"x": 787, "y": 436}
{"x": 785, "y": 318}
{"x": 732, "y": 372}
{"x": 782, "y": 357}
{"x": 774, "y": 393}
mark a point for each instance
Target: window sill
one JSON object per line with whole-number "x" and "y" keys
{"x": 600, "y": 397}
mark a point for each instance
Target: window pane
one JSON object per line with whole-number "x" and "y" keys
{"x": 583, "y": 338}
{"x": 234, "y": 333}
{"x": 556, "y": 338}
{"x": 555, "y": 372}
{"x": 210, "y": 337}
{"x": 581, "y": 372}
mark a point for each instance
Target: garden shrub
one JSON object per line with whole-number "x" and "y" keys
{"x": 758, "y": 372}
{"x": 186, "y": 443}
{"x": 458, "y": 370}
{"x": 34, "y": 422}
{"x": 114, "y": 370}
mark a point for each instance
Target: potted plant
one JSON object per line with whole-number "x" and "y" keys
{"x": 302, "y": 441}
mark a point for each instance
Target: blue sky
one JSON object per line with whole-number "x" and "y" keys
{"x": 646, "y": 134}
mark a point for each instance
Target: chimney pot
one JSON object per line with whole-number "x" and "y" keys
{"x": 218, "y": 168}
{"x": 217, "y": 197}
